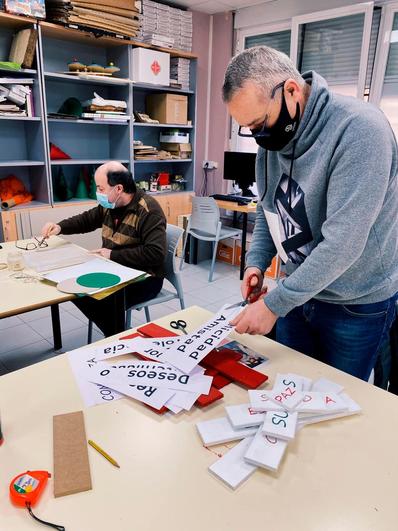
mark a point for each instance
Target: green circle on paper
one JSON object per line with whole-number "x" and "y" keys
{"x": 98, "y": 280}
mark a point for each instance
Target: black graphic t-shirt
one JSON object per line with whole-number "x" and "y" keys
{"x": 295, "y": 231}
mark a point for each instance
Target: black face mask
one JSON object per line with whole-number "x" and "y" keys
{"x": 279, "y": 135}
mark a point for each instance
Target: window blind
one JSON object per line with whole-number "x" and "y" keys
{"x": 332, "y": 48}
{"x": 392, "y": 61}
{"x": 372, "y": 47}
{"x": 280, "y": 40}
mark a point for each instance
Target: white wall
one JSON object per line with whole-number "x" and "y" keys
{"x": 283, "y": 10}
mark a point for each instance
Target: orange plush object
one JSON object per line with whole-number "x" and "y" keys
{"x": 13, "y": 192}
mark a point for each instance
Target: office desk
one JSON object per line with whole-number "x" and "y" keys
{"x": 245, "y": 210}
{"x": 339, "y": 475}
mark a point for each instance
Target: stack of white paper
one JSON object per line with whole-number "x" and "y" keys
{"x": 170, "y": 378}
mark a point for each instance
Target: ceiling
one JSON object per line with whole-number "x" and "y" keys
{"x": 218, "y": 6}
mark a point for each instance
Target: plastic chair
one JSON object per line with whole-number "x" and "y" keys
{"x": 173, "y": 235}
{"x": 204, "y": 224}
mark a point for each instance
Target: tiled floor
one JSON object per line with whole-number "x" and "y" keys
{"x": 27, "y": 338}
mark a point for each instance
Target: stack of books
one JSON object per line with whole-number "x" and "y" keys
{"x": 16, "y": 97}
{"x": 160, "y": 21}
{"x": 118, "y": 17}
{"x": 179, "y": 72}
{"x": 143, "y": 152}
{"x": 99, "y": 108}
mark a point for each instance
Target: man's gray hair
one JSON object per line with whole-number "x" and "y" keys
{"x": 263, "y": 66}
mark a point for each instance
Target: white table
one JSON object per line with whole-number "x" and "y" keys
{"x": 17, "y": 296}
{"x": 340, "y": 475}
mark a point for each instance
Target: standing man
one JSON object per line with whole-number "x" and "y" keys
{"x": 133, "y": 234}
{"x": 327, "y": 177}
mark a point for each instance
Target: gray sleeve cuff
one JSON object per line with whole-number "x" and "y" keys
{"x": 278, "y": 304}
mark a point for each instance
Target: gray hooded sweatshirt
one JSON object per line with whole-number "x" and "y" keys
{"x": 330, "y": 208}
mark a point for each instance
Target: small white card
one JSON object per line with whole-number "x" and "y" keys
{"x": 259, "y": 401}
{"x": 218, "y": 431}
{"x": 294, "y": 381}
{"x": 266, "y": 451}
{"x": 280, "y": 424}
{"x": 288, "y": 398}
{"x": 323, "y": 385}
{"x": 244, "y": 416}
{"x": 231, "y": 467}
{"x": 353, "y": 409}
{"x": 314, "y": 402}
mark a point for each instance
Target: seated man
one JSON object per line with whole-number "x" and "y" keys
{"x": 133, "y": 234}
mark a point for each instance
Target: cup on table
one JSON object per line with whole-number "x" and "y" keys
{"x": 15, "y": 261}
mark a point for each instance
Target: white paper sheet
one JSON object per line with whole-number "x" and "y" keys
{"x": 185, "y": 352}
{"x": 81, "y": 360}
{"x": 184, "y": 400}
{"x": 94, "y": 265}
{"x": 155, "y": 349}
{"x": 193, "y": 348}
{"x": 150, "y": 373}
{"x": 147, "y": 394}
{"x": 62, "y": 256}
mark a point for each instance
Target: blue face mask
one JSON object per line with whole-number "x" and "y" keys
{"x": 104, "y": 201}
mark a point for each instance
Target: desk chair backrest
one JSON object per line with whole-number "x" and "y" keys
{"x": 173, "y": 235}
{"x": 205, "y": 217}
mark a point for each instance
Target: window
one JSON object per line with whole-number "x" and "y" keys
{"x": 389, "y": 97}
{"x": 280, "y": 40}
{"x": 335, "y": 44}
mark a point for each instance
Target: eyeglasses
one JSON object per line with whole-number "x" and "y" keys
{"x": 259, "y": 132}
{"x": 41, "y": 244}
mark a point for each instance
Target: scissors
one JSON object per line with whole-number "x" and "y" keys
{"x": 179, "y": 325}
{"x": 251, "y": 296}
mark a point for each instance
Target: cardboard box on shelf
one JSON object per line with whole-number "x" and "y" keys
{"x": 238, "y": 250}
{"x": 184, "y": 151}
{"x": 168, "y": 108}
{"x": 151, "y": 66}
{"x": 226, "y": 251}
{"x": 174, "y": 136}
{"x": 274, "y": 269}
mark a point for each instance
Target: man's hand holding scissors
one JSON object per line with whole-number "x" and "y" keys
{"x": 256, "y": 317}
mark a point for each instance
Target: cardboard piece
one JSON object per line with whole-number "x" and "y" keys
{"x": 71, "y": 464}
